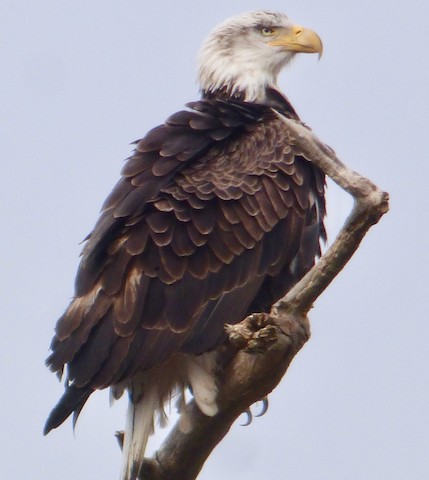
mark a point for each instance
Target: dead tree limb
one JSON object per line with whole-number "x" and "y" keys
{"x": 370, "y": 205}
{"x": 248, "y": 376}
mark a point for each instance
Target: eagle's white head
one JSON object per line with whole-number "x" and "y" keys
{"x": 244, "y": 55}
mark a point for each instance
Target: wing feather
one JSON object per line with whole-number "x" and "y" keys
{"x": 93, "y": 353}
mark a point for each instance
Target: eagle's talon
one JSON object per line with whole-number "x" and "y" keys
{"x": 264, "y": 408}
{"x": 120, "y": 434}
{"x": 250, "y": 415}
{"x": 249, "y": 418}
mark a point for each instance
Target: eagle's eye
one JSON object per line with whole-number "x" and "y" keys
{"x": 267, "y": 31}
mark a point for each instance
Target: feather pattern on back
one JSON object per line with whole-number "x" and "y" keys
{"x": 214, "y": 201}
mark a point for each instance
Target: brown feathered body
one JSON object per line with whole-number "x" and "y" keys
{"x": 216, "y": 216}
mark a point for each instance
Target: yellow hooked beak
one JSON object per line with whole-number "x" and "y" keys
{"x": 299, "y": 39}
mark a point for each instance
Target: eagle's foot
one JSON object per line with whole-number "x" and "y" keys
{"x": 255, "y": 334}
{"x": 262, "y": 340}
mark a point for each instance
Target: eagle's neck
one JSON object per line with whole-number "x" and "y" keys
{"x": 250, "y": 87}
{"x": 223, "y": 94}
{"x": 271, "y": 97}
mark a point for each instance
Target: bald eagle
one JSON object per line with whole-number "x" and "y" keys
{"x": 216, "y": 215}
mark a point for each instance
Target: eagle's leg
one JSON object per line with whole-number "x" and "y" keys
{"x": 255, "y": 334}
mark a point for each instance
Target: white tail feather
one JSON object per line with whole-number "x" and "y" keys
{"x": 139, "y": 426}
{"x": 150, "y": 390}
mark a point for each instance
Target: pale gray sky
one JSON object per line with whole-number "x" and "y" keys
{"x": 82, "y": 79}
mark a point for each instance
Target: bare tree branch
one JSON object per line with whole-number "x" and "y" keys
{"x": 371, "y": 204}
{"x": 247, "y": 376}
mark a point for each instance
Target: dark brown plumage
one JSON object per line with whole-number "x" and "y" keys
{"x": 214, "y": 202}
